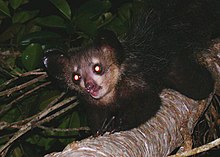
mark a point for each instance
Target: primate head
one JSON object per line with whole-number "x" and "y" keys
{"x": 92, "y": 70}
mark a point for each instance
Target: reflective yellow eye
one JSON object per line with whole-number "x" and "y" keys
{"x": 97, "y": 68}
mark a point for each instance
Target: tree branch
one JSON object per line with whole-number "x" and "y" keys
{"x": 38, "y": 119}
{"x": 171, "y": 127}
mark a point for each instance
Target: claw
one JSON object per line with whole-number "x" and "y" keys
{"x": 106, "y": 126}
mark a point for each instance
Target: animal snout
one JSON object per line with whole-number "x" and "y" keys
{"x": 89, "y": 86}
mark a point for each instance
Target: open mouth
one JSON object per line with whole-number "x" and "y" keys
{"x": 94, "y": 92}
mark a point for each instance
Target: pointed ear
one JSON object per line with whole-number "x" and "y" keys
{"x": 55, "y": 62}
{"x": 108, "y": 40}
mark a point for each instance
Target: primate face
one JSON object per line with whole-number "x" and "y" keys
{"x": 95, "y": 71}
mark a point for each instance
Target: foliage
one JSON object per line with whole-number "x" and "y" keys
{"x": 27, "y": 28}
{"x": 23, "y": 24}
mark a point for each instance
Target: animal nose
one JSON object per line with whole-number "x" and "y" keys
{"x": 89, "y": 86}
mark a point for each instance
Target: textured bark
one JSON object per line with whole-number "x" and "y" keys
{"x": 171, "y": 127}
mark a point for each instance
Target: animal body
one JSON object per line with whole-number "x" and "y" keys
{"x": 120, "y": 80}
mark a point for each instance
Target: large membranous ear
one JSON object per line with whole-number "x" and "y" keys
{"x": 55, "y": 63}
{"x": 108, "y": 39}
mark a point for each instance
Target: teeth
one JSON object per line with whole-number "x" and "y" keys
{"x": 94, "y": 92}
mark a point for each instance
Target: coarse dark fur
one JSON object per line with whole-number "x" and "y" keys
{"x": 120, "y": 81}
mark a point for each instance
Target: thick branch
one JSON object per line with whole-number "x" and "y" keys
{"x": 168, "y": 130}
{"x": 157, "y": 137}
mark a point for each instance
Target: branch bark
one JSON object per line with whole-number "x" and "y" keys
{"x": 171, "y": 127}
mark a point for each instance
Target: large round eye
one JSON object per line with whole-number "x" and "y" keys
{"x": 98, "y": 69}
{"x": 76, "y": 77}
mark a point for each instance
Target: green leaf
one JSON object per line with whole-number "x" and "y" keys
{"x": 46, "y": 97}
{"x": 24, "y": 16}
{"x": 51, "y": 21}
{"x": 4, "y": 8}
{"x": 63, "y": 7}
{"x": 85, "y": 24}
{"x": 39, "y": 37}
{"x": 11, "y": 116}
{"x": 120, "y": 23}
{"x": 15, "y": 3}
{"x": 31, "y": 56}
{"x": 40, "y": 141}
{"x": 94, "y": 7}
{"x": 10, "y": 32}
{"x": 17, "y": 152}
{"x": 73, "y": 121}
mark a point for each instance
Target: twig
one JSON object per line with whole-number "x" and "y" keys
{"x": 56, "y": 100}
{"x": 31, "y": 124}
{"x": 49, "y": 110}
{"x": 64, "y": 130}
{"x": 47, "y": 119}
{"x": 19, "y": 124}
{"x": 198, "y": 150}
{"x": 8, "y": 53}
{"x": 3, "y": 153}
{"x": 19, "y": 87}
{"x": 34, "y": 72}
{"x": 2, "y": 70}
{"x": 6, "y": 108}
{"x": 11, "y": 68}
{"x": 9, "y": 81}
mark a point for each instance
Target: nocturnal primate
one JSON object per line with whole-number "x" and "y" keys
{"x": 120, "y": 80}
